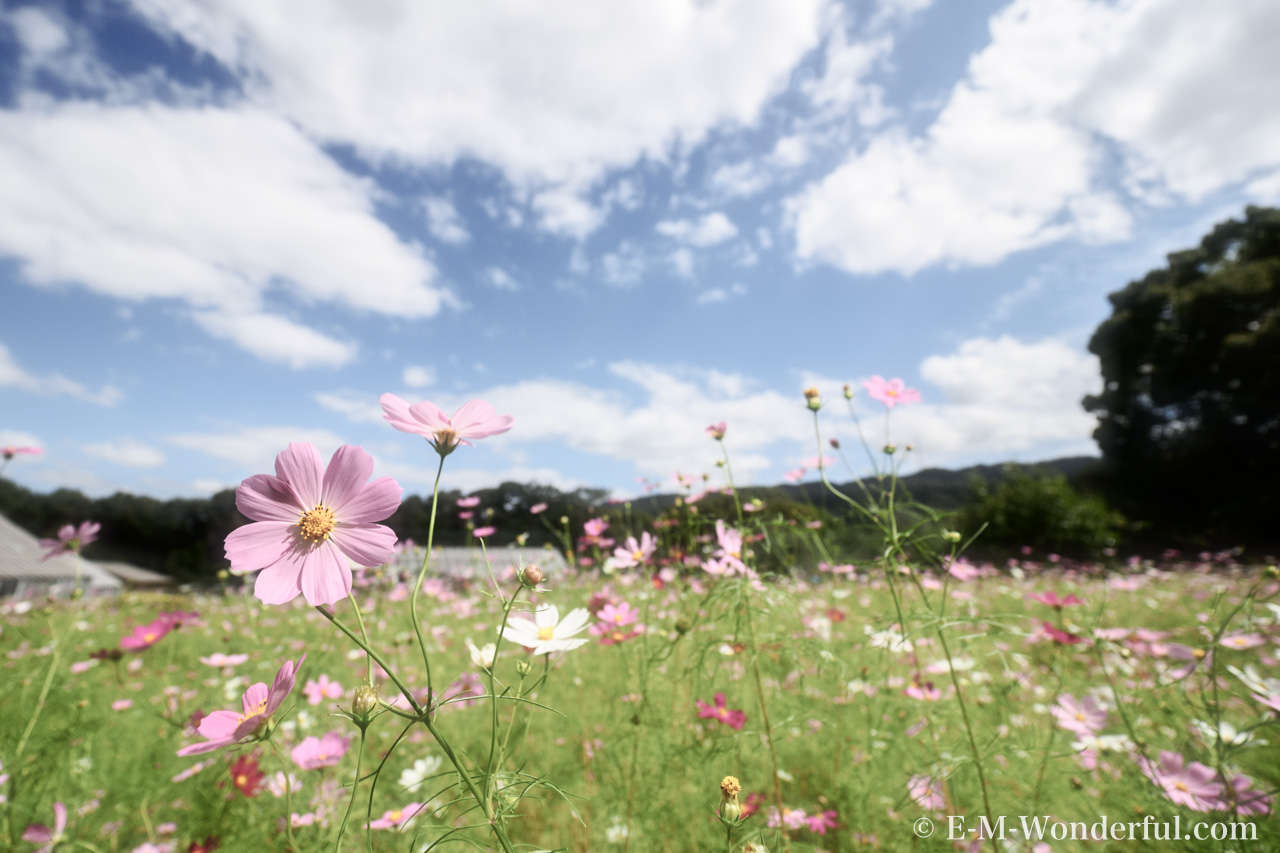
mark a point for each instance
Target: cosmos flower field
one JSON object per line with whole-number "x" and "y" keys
{"x": 715, "y": 679}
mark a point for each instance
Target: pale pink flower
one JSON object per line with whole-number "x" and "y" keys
{"x": 1243, "y": 641}
{"x": 9, "y": 451}
{"x": 1051, "y": 599}
{"x": 538, "y": 509}
{"x": 468, "y": 503}
{"x": 1084, "y": 717}
{"x": 38, "y": 833}
{"x": 476, "y": 419}
{"x": 730, "y": 542}
{"x": 795, "y": 475}
{"x": 396, "y": 818}
{"x": 224, "y": 728}
{"x": 1247, "y": 800}
{"x": 927, "y": 792}
{"x": 891, "y": 392}
{"x": 1192, "y": 785}
{"x": 309, "y": 521}
{"x": 218, "y": 659}
{"x": 71, "y": 539}
{"x": 925, "y": 692}
{"x": 122, "y": 704}
{"x": 633, "y": 553}
{"x": 595, "y": 527}
{"x": 484, "y": 532}
{"x": 318, "y": 690}
{"x": 717, "y": 431}
{"x": 316, "y": 752}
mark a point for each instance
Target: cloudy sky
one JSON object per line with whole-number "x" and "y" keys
{"x": 227, "y": 226}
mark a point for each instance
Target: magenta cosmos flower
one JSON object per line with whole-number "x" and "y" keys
{"x": 38, "y": 833}
{"x": 9, "y": 451}
{"x": 891, "y": 392}
{"x": 308, "y": 521}
{"x": 224, "y": 728}
{"x": 718, "y": 711}
{"x": 146, "y": 636}
{"x": 70, "y": 539}
{"x": 476, "y": 419}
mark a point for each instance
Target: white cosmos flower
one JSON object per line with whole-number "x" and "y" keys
{"x": 546, "y": 632}
{"x": 482, "y": 657}
{"x": 422, "y": 770}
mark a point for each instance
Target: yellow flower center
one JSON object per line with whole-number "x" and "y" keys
{"x": 1080, "y": 716}
{"x": 891, "y": 392}
{"x": 1199, "y": 654}
{"x": 149, "y": 637}
{"x": 255, "y": 711}
{"x": 618, "y": 617}
{"x": 242, "y": 780}
{"x": 446, "y": 439}
{"x": 1181, "y": 786}
{"x": 638, "y": 556}
{"x": 396, "y": 816}
{"x": 316, "y": 524}
{"x": 547, "y": 633}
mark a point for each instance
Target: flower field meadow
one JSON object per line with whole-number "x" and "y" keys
{"x": 715, "y": 679}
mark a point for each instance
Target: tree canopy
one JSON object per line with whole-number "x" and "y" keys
{"x": 1189, "y": 414}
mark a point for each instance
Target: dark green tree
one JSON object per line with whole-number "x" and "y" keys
{"x": 1189, "y": 414}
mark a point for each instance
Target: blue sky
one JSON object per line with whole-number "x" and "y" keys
{"x": 230, "y": 226}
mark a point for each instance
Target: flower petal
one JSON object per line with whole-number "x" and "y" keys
{"x": 281, "y": 582}
{"x": 263, "y": 497}
{"x": 301, "y": 467}
{"x": 259, "y": 544}
{"x": 547, "y": 616}
{"x": 573, "y": 622}
{"x": 429, "y": 417}
{"x": 374, "y": 503}
{"x": 326, "y": 577}
{"x": 207, "y": 746}
{"x": 219, "y": 724}
{"x": 367, "y": 544}
{"x": 396, "y": 412}
{"x": 348, "y": 471}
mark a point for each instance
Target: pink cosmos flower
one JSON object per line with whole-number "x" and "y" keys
{"x": 475, "y": 419}
{"x": 316, "y": 752}
{"x": 224, "y": 728}
{"x": 595, "y": 527}
{"x": 927, "y": 792}
{"x": 538, "y": 509}
{"x": 1050, "y": 599}
{"x": 717, "y": 431}
{"x": 396, "y": 818}
{"x": 122, "y": 704}
{"x": 218, "y": 659}
{"x": 633, "y": 553}
{"x": 1193, "y": 657}
{"x": 1063, "y": 638}
{"x": 70, "y": 539}
{"x": 146, "y": 636}
{"x": 1247, "y": 800}
{"x": 925, "y": 692}
{"x": 468, "y": 503}
{"x": 1082, "y": 717}
{"x": 319, "y": 690}
{"x": 309, "y": 521}
{"x": 718, "y": 711}
{"x": 794, "y": 475}
{"x": 730, "y": 542}
{"x": 1192, "y": 785}
{"x": 484, "y": 532}
{"x": 9, "y": 451}
{"x": 38, "y": 833}
{"x": 890, "y": 393}
{"x": 1243, "y": 641}
{"x": 619, "y": 615}
{"x": 822, "y": 821}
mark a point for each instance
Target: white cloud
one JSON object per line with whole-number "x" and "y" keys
{"x": 18, "y": 438}
{"x": 583, "y": 88}
{"x": 356, "y": 406}
{"x": 277, "y": 339}
{"x": 255, "y": 448}
{"x": 720, "y": 294}
{"x": 625, "y": 266}
{"x": 126, "y": 451}
{"x": 1016, "y": 158}
{"x": 1002, "y": 399}
{"x": 502, "y": 280}
{"x": 12, "y": 375}
{"x": 707, "y": 231}
{"x": 212, "y": 207}
{"x": 419, "y": 376}
{"x": 444, "y": 221}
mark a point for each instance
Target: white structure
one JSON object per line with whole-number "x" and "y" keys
{"x": 22, "y": 574}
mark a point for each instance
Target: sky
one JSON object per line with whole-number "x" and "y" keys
{"x": 228, "y": 226}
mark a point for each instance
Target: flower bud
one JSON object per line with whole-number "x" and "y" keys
{"x": 564, "y": 519}
{"x": 952, "y": 536}
{"x": 531, "y": 576}
{"x": 730, "y": 808}
{"x": 523, "y": 668}
{"x": 366, "y": 699}
{"x": 813, "y": 399}
{"x": 835, "y": 443}
{"x": 890, "y": 449}
{"x": 683, "y": 625}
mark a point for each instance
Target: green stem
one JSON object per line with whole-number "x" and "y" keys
{"x": 337, "y": 847}
{"x": 422, "y": 575}
{"x": 377, "y": 658}
{"x": 288, "y": 802}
